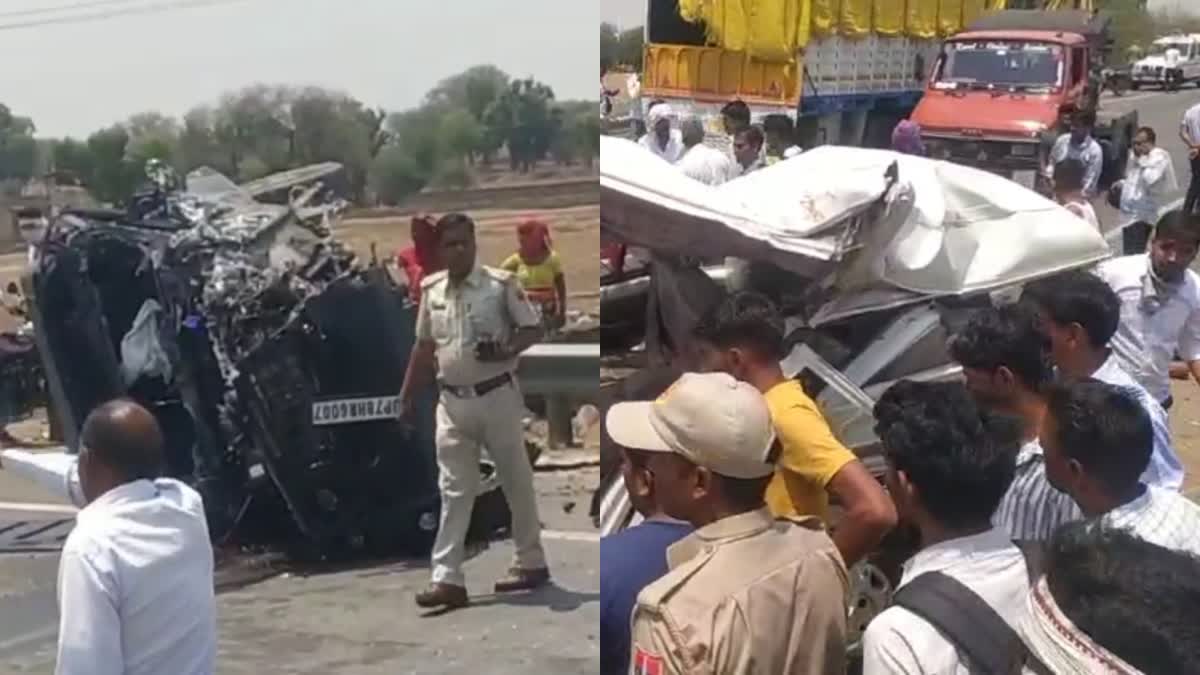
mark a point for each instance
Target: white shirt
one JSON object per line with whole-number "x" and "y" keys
{"x": 1165, "y": 470}
{"x": 1088, "y": 152}
{"x": 707, "y": 165}
{"x": 1148, "y": 181}
{"x": 1148, "y": 338}
{"x": 900, "y": 642}
{"x": 1171, "y": 57}
{"x": 1191, "y": 123}
{"x": 1160, "y": 517}
{"x": 1032, "y": 509}
{"x": 672, "y": 152}
{"x": 135, "y": 585}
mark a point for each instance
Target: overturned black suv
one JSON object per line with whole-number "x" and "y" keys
{"x": 269, "y": 355}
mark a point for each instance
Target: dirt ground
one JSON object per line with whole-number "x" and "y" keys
{"x": 575, "y": 233}
{"x": 1185, "y": 432}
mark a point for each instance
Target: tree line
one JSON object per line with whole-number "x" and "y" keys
{"x": 470, "y": 120}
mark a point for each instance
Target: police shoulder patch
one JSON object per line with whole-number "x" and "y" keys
{"x": 646, "y": 663}
{"x": 431, "y": 279}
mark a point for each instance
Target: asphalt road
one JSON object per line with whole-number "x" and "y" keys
{"x": 363, "y": 621}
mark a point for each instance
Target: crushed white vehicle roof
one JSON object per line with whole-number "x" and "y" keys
{"x": 927, "y": 228}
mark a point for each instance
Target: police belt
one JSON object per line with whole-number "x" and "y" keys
{"x": 477, "y": 389}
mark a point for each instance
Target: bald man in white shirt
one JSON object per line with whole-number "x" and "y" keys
{"x": 135, "y": 580}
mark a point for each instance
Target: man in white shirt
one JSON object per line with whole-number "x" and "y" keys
{"x": 135, "y": 581}
{"x": 661, "y": 137}
{"x": 700, "y": 162}
{"x": 1080, "y": 313}
{"x": 1098, "y": 441}
{"x": 1160, "y": 305}
{"x": 1068, "y": 191}
{"x": 1079, "y": 144}
{"x": 948, "y": 465}
{"x": 747, "y": 150}
{"x": 1005, "y": 356}
{"x": 1149, "y": 179}
{"x": 1189, "y": 133}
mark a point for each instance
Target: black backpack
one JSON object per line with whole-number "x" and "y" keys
{"x": 968, "y": 622}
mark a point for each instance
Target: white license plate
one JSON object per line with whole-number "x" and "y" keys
{"x": 351, "y": 410}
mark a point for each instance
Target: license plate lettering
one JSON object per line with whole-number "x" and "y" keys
{"x": 352, "y": 410}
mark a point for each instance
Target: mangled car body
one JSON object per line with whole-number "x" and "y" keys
{"x": 269, "y": 355}
{"x": 874, "y": 258}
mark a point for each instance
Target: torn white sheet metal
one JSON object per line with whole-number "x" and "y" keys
{"x": 646, "y": 201}
{"x": 928, "y": 238}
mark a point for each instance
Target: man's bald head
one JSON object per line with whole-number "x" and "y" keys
{"x": 125, "y": 438}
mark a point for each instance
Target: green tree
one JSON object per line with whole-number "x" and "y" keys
{"x": 152, "y": 135}
{"x": 395, "y": 175}
{"x": 473, "y": 90}
{"x": 610, "y": 46}
{"x": 73, "y": 157}
{"x": 18, "y": 149}
{"x": 113, "y": 177}
{"x": 522, "y": 116}
{"x": 459, "y": 135}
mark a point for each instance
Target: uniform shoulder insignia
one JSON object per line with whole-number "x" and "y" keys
{"x": 646, "y": 663}
{"x": 431, "y": 279}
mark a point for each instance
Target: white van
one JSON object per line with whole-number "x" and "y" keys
{"x": 1174, "y": 57}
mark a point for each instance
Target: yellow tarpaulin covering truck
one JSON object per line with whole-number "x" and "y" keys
{"x": 846, "y": 70}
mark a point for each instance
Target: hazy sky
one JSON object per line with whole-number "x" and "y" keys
{"x": 75, "y": 78}
{"x": 629, "y": 13}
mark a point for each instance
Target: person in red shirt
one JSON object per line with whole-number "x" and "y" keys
{"x": 421, "y": 258}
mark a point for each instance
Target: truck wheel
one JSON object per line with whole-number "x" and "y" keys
{"x": 1135, "y": 86}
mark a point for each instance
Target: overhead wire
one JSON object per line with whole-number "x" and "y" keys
{"x": 66, "y": 7}
{"x": 156, "y": 8}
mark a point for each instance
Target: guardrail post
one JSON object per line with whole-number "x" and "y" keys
{"x": 558, "y": 419}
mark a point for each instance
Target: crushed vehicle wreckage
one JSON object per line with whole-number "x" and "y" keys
{"x": 270, "y": 356}
{"x": 874, "y": 257}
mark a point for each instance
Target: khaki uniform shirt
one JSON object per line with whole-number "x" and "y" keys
{"x": 487, "y": 304}
{"x": 746, "y": 595}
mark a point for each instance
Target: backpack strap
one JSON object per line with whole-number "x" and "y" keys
{"x": 968, "y": 622}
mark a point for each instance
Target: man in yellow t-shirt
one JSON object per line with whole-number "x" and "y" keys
{"x": 743, "y": 336}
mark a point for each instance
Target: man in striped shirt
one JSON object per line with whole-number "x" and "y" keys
{"x": 1080, "y": 313}
{"x": 1098, "y": 441}
{"x": 1005, "y": 356}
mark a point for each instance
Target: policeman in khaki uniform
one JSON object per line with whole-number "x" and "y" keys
{"x": 746, "y": 594}
{"x": 472, "y": 323}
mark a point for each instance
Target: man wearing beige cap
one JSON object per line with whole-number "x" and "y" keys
{"x": 746, "y": 593}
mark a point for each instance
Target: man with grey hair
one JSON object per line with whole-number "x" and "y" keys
{"x": 701, "y": 162}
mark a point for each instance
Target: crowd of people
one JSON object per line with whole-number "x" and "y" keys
{"x": 1043, "y": 489}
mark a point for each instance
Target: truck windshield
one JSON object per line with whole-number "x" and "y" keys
{"x": 1160, "y": 48}
{"x": 1005, "y": 65}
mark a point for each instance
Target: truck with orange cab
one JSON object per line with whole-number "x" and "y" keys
{"x": 1001, "y": 93}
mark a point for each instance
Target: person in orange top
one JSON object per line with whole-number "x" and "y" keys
{"x": 421, "y": 258}
{"x": 539, "y": 270}
{"x": 743, "y": 336}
